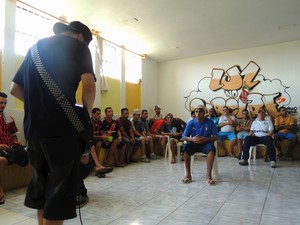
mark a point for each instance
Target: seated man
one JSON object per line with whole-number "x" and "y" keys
{"x": 243, "y": 129}
{"x": 113, "y": 140}
{"x": 285, "y": 125}
{"x": 156, "y": 127}
{"x": 200, "y": 134}
{"x": 227, "y": 124}
{"x": 192, "y": 116}
{"x": 213, "y": 116}
{"x": 173, "y": 129}
{"x": 141, "y": 136}
{"x": 100, "y": 170}
{"x": 8, "y": 138}
{"x": 154, "y": 130}
{"x": 128, "y": 137}
{"x": 261, "y": 132}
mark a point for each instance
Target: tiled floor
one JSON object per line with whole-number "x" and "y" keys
{"x": 146, "y": 194}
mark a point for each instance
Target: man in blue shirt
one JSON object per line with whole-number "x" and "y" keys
{"x": 200, "y": 134}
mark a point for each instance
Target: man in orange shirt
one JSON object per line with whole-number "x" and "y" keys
{"x": 285, "y": 125}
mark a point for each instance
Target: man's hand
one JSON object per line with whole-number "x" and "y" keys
{"x": 4, "y": 147}
{"x": 199, "y": 139}
{"x": 119, "y": 139}
{"x": 84, "y": 159}
{"x": 105, "y": 138}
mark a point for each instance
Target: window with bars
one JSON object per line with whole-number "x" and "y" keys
{"x": 133, "y": 68}
{"x": 111, "y": 61}
{"x": 31, "y": 25}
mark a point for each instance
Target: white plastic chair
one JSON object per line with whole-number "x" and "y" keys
{"x": 168, "y": 153}
{"x": 252, "y": 149}
{"x": 215, "y": 165}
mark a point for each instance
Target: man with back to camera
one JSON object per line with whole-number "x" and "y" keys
{"x": 54, "y": 146}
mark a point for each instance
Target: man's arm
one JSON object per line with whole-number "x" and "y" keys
{"x": 15, "y": 140}
{"x": 88, "y": 91}
{"x": 17, "y": 91}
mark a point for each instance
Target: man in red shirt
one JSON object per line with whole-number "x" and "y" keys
{"x": 99, "y": 169}
{"x": 8, "y": 137}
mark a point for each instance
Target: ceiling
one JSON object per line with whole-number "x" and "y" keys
{"x": 174, "y": 29}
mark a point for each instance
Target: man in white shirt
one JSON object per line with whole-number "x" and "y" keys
{"x": 261, "y": 132}
{"x": 227, "y": 124}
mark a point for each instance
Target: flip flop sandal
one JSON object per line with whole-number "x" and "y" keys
{"x": 210, "y": 182}
{"x": 121, "y": 165}
{"x": 101, "y": 175}
{"x": 186, "y": 180}
{"x": 104, "y": 171}
{"x": 173, "y": 161}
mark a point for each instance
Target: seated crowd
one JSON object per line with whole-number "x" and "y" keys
{"x": 123, "y": 137}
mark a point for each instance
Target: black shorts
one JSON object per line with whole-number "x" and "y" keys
{"x": 55, "y": 180}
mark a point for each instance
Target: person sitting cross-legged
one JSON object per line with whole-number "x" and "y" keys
{"x": 98, "y": 139}
{"x": 261, "y": 132}
{"x": 200, "y": 134}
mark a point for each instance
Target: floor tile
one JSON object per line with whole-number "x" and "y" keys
{"x": 151, "y": 194}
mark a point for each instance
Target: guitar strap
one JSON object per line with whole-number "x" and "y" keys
{"x": 59, "y": 96}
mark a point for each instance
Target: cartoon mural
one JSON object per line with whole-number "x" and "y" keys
{"x": 240, "y": 89}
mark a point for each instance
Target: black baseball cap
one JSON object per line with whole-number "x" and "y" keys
{"x": 76, "y": 26}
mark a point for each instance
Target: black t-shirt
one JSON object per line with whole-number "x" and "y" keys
{"x": 126, "y": 124}
{"x": 65, "y": 59}
{"x": 171, "y": 128}
{"x": 106, "y": 128}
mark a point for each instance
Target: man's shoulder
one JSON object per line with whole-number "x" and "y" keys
{"x": 105, "y": 121}
{"x": 209, "y": 121}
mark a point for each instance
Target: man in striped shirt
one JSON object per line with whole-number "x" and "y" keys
{"x": 8, "y": 137}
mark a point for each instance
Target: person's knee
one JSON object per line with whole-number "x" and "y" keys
{"x": 3, "y": 163}
{"x": 186, "y": 155}
{"x": 211, "y": 152}
{"x": 277, "y": 138}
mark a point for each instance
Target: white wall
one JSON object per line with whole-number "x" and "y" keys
{"x": 177, "y": 78}
{"x": 150, "y": 93}
{"x": 9, "y": 65}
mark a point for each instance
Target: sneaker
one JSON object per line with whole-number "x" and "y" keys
{"x": 81, "y": 201}
{"x": 145, "y": 159}
{"x": 243, "y": 162}
{"x": 273, "y": 164}
{"x": 153, "y": 156}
